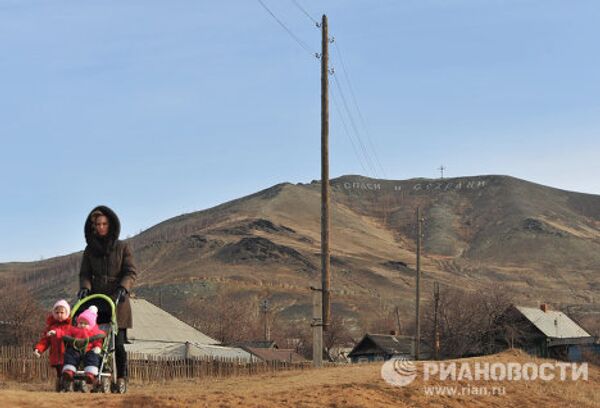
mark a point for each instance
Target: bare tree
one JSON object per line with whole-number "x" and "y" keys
{"x": 295, "y": 335}
{"x": 469, "y": 323}
{"x": 224, "y": 317}
{"x": 337, "y": 335}
{"x": 383, "y": 320}
{"x": 21, "y": 316}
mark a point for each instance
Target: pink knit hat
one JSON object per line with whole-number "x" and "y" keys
{"x": 89, "y": 315}
{"x": 62, "y": 303}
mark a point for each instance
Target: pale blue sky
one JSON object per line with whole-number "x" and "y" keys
{"x": 156, "y": 108}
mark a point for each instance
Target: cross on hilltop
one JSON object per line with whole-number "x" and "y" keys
{"x": 441, "y": 169}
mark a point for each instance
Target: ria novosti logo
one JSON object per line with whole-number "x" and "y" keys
{"x": 399, "y": 371}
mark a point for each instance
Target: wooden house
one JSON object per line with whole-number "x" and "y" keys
{"x": 544, "y": 332}
{"x": 382, "y": 347}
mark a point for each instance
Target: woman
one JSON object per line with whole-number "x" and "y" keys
{"x": 107, "y": 267}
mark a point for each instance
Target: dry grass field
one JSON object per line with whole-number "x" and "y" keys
{"x": 351, "y": 386}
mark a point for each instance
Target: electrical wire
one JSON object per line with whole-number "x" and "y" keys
{"x": 354, "y": 127}
{"x": 348, "y": 134}
{"x": 306, "y": 13}
{"x": 354, "y": 99}
{"x": 294, "y": 36}
{"x": 366, "y": 156}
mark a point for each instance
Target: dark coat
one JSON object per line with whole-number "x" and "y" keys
{"x": 107, "y": 264}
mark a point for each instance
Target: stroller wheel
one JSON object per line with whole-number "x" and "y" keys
{"x": 66, "y": 385}
{"x": 104, "y": 385}
{"x": 83, "y": 387}
{"x": 120, "y": 387}
{"x": 80, "y": 386}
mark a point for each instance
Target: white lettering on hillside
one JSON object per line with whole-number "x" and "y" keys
{"x": 437, "y": 186}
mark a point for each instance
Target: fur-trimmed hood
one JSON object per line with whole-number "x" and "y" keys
{"x": 105, "y": 244}
{"x": 114, "y": 228}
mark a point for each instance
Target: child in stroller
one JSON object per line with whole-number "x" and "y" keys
{"x": 85, "y": 342}
{"x": 91, "y": 343}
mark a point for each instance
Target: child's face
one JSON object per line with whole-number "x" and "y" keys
{"x": 82, "y": 324}
{"x": 60, "y": 314}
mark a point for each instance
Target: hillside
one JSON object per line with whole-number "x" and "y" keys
{"x": 541, "y": 243}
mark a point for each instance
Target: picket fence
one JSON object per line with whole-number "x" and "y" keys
{"x": 19, "y": 364}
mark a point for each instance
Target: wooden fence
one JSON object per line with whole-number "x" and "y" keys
{"x": 19, "y": 363}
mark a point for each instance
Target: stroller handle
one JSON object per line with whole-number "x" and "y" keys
{"x": 111, "y": 304}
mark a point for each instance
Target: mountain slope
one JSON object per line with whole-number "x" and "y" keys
{"x": 541, "y": 243}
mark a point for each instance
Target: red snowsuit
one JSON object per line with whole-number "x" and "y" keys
{"x": 55, "y": 343}
{"x": 81, "y": 333}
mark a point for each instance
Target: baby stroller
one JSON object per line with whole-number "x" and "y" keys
{"x": 107, "y": 321}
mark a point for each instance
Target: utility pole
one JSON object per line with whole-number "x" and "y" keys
{"x": 441, "y": 169}
{"x": 398, "y": 321}
{"x": 317, "y": 325}
{"x": 436, "y": 333}
{"x": 418, "y": 295}
{"x": 321, "y": 297}
{"x": 264, "y": 309}
{"x": 325, "y": 257}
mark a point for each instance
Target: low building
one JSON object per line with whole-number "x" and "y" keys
{"x": 544, "y": 332}
{"x": 382, "y": 347}
{"x": 157, "y": 333}
{"x": 275, "y": 354}
{"x": 269, "y": 344}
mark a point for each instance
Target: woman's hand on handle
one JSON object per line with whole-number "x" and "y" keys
{"x": 83, "y": 292}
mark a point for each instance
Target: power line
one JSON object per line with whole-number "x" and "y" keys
{"x": 360, "y": 115}
{"x": 354, "y": 127}
{"x": 345, "y": 127}
{"x": 365, "y": 153}
{"x": 306, "y": 13}
{"x": 294, "y": 36}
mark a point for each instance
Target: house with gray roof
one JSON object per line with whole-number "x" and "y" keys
{"x": 544, "y": 332}
{"x": 157, "y": 333}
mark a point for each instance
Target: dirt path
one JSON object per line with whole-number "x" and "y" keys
{"x": 351, "y": 386}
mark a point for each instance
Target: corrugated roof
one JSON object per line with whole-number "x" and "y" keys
{"x": 178, "y": 350}
{"x": 553, "y": 323}
{"x": 207, "y": 350}
{"x": 151, "y": 323}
